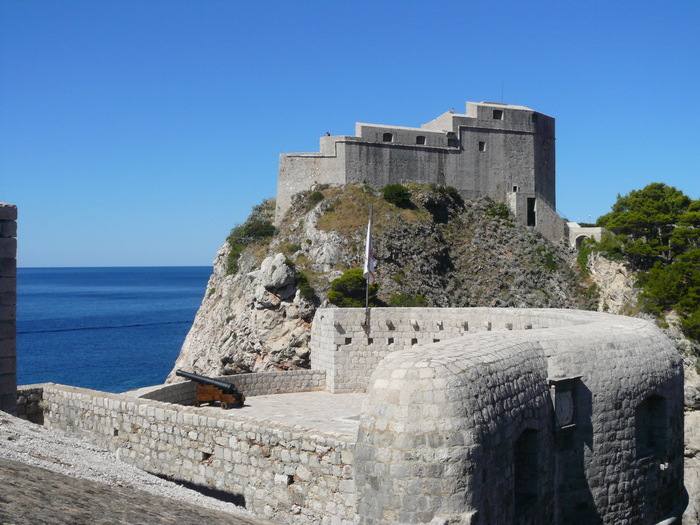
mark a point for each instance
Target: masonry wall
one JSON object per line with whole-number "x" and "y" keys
{"x": 281, "y": 473}
{"x": 510, "y": 158}
{"x": 8, "y": 308}
{"x": 258, "y": 384}
{"x": 348, "y": 343}
{"x": 476, "y": 423}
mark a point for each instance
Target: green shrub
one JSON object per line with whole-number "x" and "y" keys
{"x": 349, "y": 290}
{"x": 253, "y": 230}
{"x": 498, "y": 210}
{"x": 315, "y": 198}
{"x": 293, "y": 248}
{"x": 399, "y": 300}
{"x": 305, "y": 288}
{"x": 398, "y": 195}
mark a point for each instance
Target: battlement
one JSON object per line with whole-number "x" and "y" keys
{"x": 466, "y": 415}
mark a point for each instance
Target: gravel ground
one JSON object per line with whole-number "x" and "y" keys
{"x": 36, "y": 446}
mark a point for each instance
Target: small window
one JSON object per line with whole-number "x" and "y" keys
{"x": 370, "y": 341}
{"x": 420, "y": 139}
{"x": 515, "y": 189}
{"x": 535, "y": 117}
{"x": 387, "y": 137}
{"x": 348, "y": 340}
{"x": 414, "y": 342}
{"x": 482, "y": 145}
{"x": 390, "y": 341}
{"x": 497, "y": 114}
{"x": 452, "y": 142}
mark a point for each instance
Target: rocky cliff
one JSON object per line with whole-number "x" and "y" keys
{"x": 437, "y": 251}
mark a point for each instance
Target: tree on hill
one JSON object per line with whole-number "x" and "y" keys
{"x": 645, "y": 223}
{"x": 657, "y": 229}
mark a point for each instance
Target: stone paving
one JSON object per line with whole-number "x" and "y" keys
{"x": 334, "y": 414}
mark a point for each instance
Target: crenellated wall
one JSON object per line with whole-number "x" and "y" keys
{"x": 8, "y": 308}
{"x": 483, "y": 415}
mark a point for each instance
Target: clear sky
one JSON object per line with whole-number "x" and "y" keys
{"x": 138, "y": 133}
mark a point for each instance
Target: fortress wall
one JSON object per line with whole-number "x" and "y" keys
{"x": 8, "y": 308}
{"x": 257, "y": 384}
{"x": 299, "y": 172}
{"x": 578, "y": 423}
{"x": 348, "y": 344}
{"x": 281, "y": 473}
{"x": 458, "y": 414}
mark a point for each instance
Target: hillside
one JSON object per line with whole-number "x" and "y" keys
{"x": 438, "y": 251}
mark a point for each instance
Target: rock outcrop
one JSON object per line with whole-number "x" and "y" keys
{"x": 441, "y": 252}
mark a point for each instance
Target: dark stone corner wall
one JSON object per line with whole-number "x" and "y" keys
{"x": 8, "y": 308}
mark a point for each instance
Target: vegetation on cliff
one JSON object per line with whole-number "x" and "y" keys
{"x": 656, "y": 230}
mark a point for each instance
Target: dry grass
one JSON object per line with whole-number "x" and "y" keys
{"x": 349, "y": 213}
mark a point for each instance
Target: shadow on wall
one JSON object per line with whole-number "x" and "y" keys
{"x": 571, "y": 443}
{"x": 221, "y": 495}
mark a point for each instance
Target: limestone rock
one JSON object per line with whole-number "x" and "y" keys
{"x": 616, "y": 289}
{"x": 692, "y": 467}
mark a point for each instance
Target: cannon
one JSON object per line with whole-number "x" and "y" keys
{"x": 210, "y": 390}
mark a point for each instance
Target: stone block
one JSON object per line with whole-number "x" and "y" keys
{"x": 8, "y": 212}
{"x": 8, "y": 248}
{"x": 8, "y": 229}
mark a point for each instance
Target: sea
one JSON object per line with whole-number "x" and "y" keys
{"x": 108, "y": 329}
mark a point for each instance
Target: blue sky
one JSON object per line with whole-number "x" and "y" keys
{"x": 138, "y": 133}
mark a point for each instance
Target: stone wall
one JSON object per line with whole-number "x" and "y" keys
{"x": 8, "y": 308}
{"x": 258, "y": 384}
{"x": 523, "y": 416}
{"x": 349, "y": 343}
{"x": 497, "y": 150}
{"x": 284, "y": 474}
{"x": 578, "y": 423}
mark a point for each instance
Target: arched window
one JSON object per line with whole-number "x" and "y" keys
{"x": 387, "y": 137}
{"x": 651, "y": 426}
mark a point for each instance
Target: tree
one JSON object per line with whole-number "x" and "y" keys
{"x": 647, "y": 220}
{"x": 349, "y": 290}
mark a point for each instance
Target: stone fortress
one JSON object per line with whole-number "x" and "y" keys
{"x": 424, "y": 415}
{"x": 501, "y": 151}
{"x": 420, "y": 415}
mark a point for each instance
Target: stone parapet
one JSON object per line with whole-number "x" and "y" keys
{"x": 8, "y": 308}
{"x": 257, "y": 384}
{"x": 282, "y": 473}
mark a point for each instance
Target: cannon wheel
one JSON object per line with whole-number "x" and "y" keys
{"x": 224, "y": 405}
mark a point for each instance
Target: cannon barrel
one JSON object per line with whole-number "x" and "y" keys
{"x": 226, "y": 388}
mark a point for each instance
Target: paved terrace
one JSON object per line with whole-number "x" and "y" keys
{"x": 337, "y": 415}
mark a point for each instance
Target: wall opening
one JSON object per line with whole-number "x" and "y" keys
{"x": 497, "y": 114}
{"x": 388, "y": 137}
{"x": 452, "y": 140}
{"x": 482, "y": 145}
{"x": 531, "y": 213}
{"x": 420, "y": 139}
{"x": 651, "y": 426}
{"x": 525, "y": 469}
{"x": 535, "y": 118}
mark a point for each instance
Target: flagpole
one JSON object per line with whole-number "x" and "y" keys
{"x": 371, "y": 207}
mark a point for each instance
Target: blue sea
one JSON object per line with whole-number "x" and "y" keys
{"x": 109, "y": 329}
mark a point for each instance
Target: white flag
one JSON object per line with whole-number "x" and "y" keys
{"x": 369, "y": 255}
